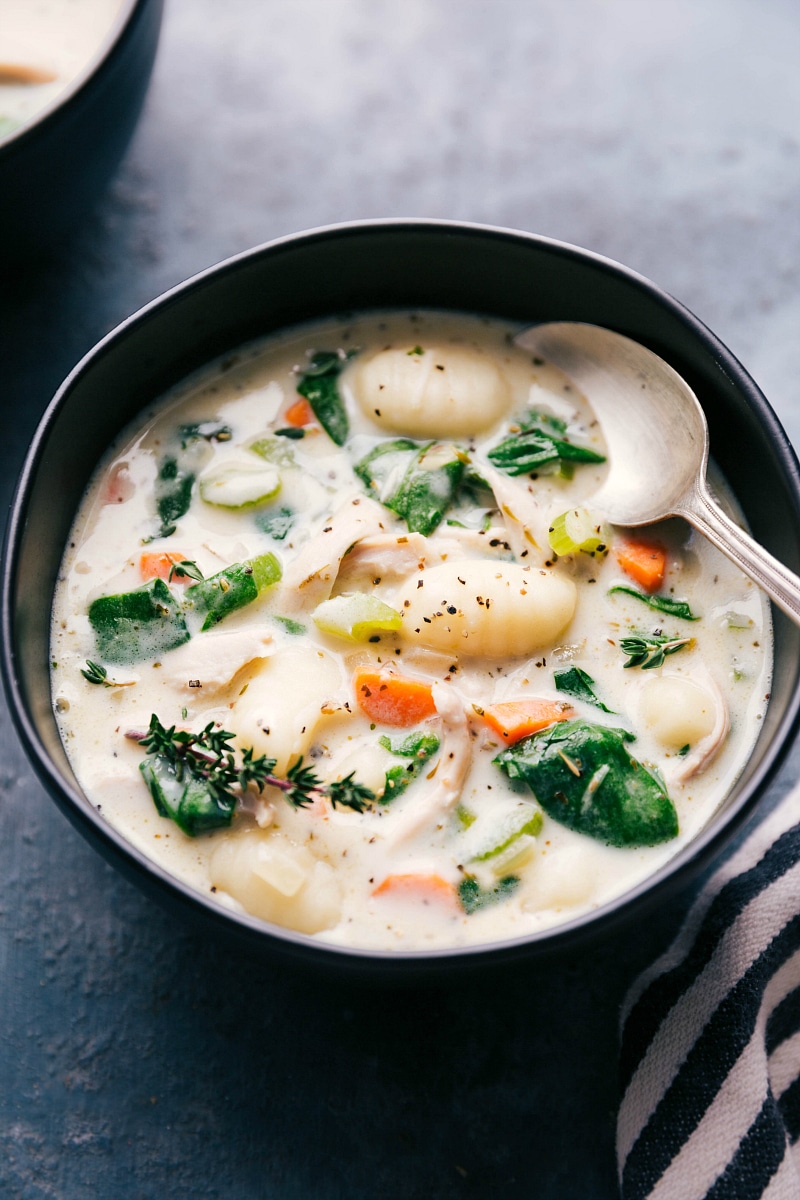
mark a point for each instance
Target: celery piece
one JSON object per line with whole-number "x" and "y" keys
{"x": 274, "y": 450}
{"x": 218, "y": 596}
{"x": 578, "y": 530}
{"x": 524, "y": 820}
{"x": 355, "y": 616}
{"x": 239, "y": 487}
{"x": 131, "y": 626}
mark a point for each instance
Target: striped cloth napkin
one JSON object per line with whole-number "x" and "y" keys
{"x": 710, "y": 1037}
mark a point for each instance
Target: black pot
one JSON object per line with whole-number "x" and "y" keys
{"x": 55, "y": 166}
{"x": 406, "y": 264}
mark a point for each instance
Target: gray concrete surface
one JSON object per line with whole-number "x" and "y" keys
{"x": 136, "y": 1061}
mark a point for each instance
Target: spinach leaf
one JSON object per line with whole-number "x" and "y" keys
{"x": 275, "y": 522}
{"x": 576, "y": 683}
{"x": 665, "y": 604}
{"x": 131, "y": 626}
{"x": 584, "y": 777}
{"x": 419, "y": 747}
{"x": 319, "y": 385}
{"x": 535, "y": 448}
{"x": 173, "y": 493}
{"x": 471, "y": 896}
{"x": 419, "y": 483}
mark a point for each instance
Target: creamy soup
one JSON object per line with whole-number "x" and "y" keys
{"x": 340, "y": 641}
{"x": 44, "y": 46}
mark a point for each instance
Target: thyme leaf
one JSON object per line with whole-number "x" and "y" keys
{"x": 185, "y": 569}
{"x": 648, "y": 650}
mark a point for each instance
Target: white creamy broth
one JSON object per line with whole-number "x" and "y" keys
{"x": 403, "y": 594}
{"x": 44, "y": 45}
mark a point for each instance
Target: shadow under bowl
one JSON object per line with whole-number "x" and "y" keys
{"x": 351, "y": 268}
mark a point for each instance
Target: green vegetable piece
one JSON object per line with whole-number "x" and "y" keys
{"x": 419, "y": 483}
{"x": 419, "y": 747}
{"x": 195, "y": 804}
{"x": 583, "y": 776}
{"x": 527, "y": 822}
{"x": 535, "y": 449}
{"x": 291, "y": 626}
{"x": 173, "y": 493}
{"x": 648, "y": 650}
{"x": 578, "y": 684}
{"x": 576, "y": 530}
{"x": 236, "y": 586}
{"x": 319, "y": 385}
{"x": 208, "y": 431}
{"x": 237, "y": 487}
{"x": 276, "y": 523}
{"x": 356, "y": 617}
{"x": 275, "y": 450}
{"x": 131, "y": 626}
{"x": 416, "y": 745}
{"x": 665, "y": 604}
{"x": 472, "y": 896}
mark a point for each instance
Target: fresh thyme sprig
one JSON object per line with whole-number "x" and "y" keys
{"x": 185, "y": 569}
{"x": 94, "y": 673}
{"x": 648, "y": 650}
{"x": 209, "y": 756}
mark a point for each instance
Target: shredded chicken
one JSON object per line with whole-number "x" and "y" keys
{"x": 706, "y": 749}
{"x": 224, "y": 654}
{"x": 455, "y": 759}
{"x": 310, "y": 578}
{"x": 525, "y": 524}
{"x": 385, "y": 556}
{"x": 258, "y": 806}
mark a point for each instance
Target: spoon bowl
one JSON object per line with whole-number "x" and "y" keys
{"x": 657, "y": 441}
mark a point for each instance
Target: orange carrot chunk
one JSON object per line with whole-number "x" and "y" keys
{"x": 299, "y": 413}
{"x": 424, "y": 888}
{"x": 393, "y": 699}
{"x": 159, "y": 563}
{"x": 644, "y": 560}
{"x": 516, "y": 719}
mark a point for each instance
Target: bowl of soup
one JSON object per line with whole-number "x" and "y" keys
{"x": 73, "y": 76}
{"x": 312, "y": 628}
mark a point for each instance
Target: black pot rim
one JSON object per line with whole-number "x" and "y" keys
{"x": 71, "y": 94}
{"x": 556, "y": 939}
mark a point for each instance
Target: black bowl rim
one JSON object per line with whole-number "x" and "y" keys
{"x": 134, "y": 863}
{"x": 70, "y": 94}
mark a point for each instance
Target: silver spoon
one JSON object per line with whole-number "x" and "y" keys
{"x": 657, "y": 441}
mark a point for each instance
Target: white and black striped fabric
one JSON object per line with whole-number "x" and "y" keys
{"x": 710, "y": 1037}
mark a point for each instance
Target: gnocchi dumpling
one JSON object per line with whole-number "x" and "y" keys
{"x": 431, "y": 392}
{"x": 279, "y": 712}
{"x": 276, "y": 880}
{"x": 483, "y": 608}
{"x": 678, "y": 711}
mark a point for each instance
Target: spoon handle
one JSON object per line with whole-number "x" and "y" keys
{"x": 780, "y": 584}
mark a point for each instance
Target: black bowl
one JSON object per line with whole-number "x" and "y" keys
{"x": 55, "y": 166}
{"x": 411, "y": 264}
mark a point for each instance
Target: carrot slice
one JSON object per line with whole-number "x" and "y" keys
{"x": 299, "y": 413}
{"x": 393, "y": 699}
{"x": 644, "y": 560}
{"x": 516, "y": 719}
{"x": 159, "y": 563}
{"x": 424, "y": 888}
